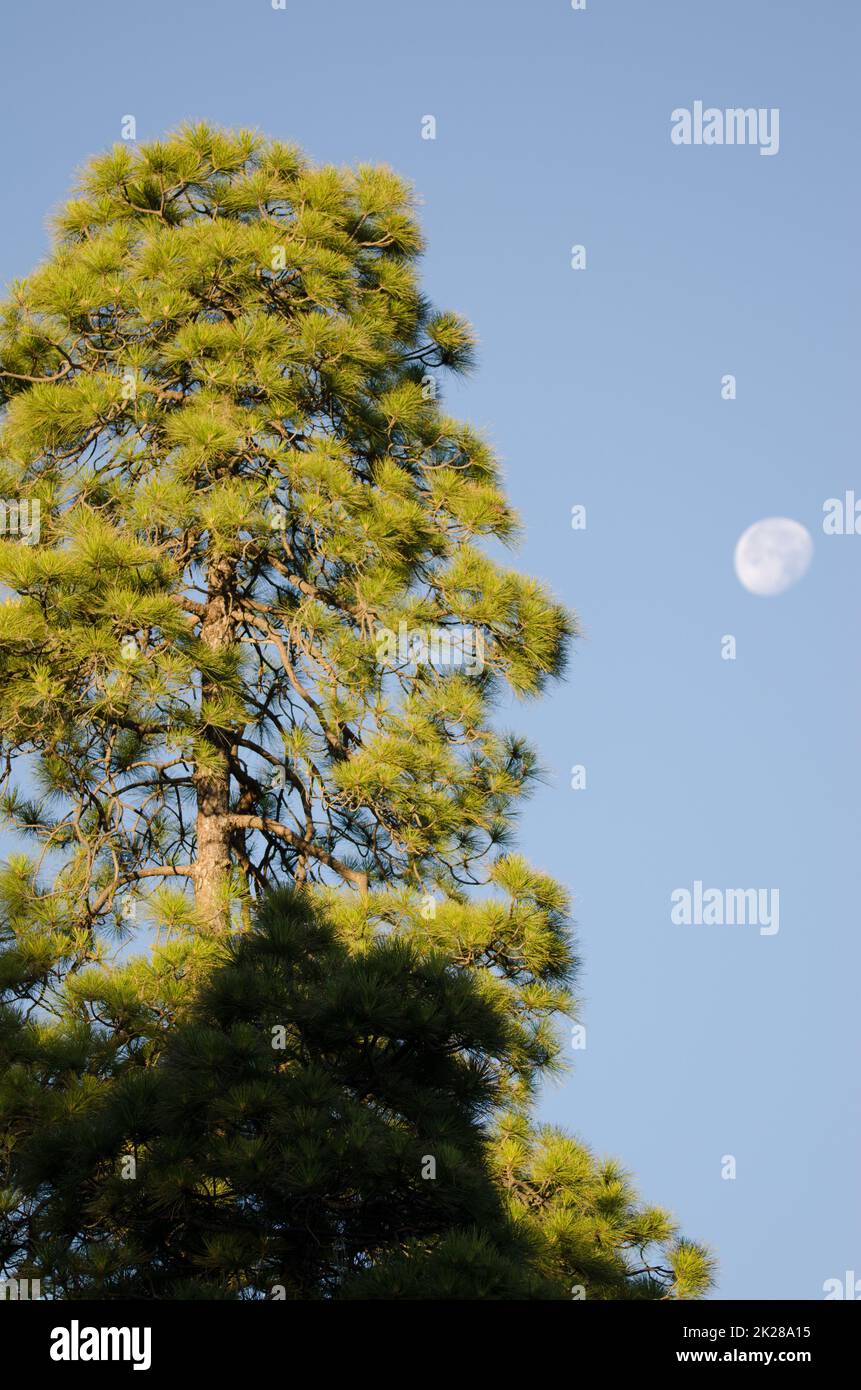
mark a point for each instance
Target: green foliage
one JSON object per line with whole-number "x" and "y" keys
{"x": 224, "y": 389}
{"x": 224, "y": 392}
{"x": 304, "y": 1111}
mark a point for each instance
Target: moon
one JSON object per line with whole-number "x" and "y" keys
{"x": 772, "y": 555}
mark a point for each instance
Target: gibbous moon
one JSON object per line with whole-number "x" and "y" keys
{"x": 772, "y": 555}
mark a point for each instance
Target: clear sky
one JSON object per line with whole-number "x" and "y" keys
{"x": 602, "y": 387}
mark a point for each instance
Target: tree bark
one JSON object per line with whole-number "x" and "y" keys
{"x": 212, "y": 783}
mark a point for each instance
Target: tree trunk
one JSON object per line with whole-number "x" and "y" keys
{"x": 212, "y": 782}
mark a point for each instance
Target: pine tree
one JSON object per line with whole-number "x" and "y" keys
{"x": 220, "y": 388}
{"x": 256, "y": 640}
{"x": 302, "y": 1111}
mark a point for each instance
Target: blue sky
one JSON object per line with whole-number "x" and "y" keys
{"x": 601, "y": 387}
